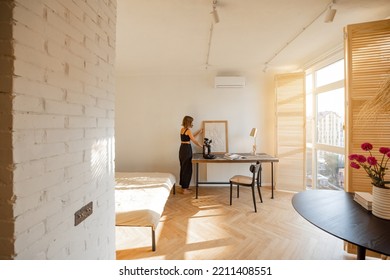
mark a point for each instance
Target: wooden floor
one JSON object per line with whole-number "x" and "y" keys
{"x": 208, "y": 228}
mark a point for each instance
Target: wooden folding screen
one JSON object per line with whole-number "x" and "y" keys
{"x": 290, "y": 131}
{"x": 367, "y": 64}
{"x": 367, "y": 58}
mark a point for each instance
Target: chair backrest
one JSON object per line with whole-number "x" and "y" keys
{"x": 255, "y": 169}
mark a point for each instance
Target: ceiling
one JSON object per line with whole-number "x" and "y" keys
{"x": 179, "y": 36}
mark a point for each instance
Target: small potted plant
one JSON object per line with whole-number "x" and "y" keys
{"x": 376, "y": 170}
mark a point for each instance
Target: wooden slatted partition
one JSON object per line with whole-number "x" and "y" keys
{"x": 291, "y": 136}
{"x": 367, "y": 57}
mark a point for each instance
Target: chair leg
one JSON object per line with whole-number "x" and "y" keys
{"x": 153, "y": 240}
{"x": 238, "y": 191}
{"x": 254, "y": 198}
{"x": 259, "y": 183}
{"x": 258, "y": 189}
{"x": 231, "y": 192}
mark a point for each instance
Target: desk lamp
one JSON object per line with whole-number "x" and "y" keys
{"x": 253, "y": 134}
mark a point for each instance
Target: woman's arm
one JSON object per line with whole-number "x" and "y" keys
{"x": 199, "y": 131}
{"x": 193, "y": 138}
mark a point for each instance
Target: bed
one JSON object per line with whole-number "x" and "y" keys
{"x": 140, "y": 198}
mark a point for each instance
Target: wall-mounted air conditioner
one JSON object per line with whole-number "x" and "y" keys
{"x": 229, "y": 82}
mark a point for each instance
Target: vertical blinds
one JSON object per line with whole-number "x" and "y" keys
{"x": 290, "y": 131}
{"x": 367, "y": 53}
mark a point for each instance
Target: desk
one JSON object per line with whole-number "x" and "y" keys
{"x": 339, "y": 215}
{"x": 246, "y": 158}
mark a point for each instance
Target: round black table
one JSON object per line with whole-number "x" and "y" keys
{"x": 338, "y": 214}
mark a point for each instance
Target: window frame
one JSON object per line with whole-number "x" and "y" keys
{"x": 314, "y": 91}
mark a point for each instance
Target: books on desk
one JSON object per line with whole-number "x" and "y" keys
{"x": 364, "y": 199}
{"x": 232, "y": 156}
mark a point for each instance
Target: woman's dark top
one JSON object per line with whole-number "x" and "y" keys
{"x": 184, "y": 137}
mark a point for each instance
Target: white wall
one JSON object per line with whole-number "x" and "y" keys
{"x": 61, "y": 101}
{"x": 150, "y": 108}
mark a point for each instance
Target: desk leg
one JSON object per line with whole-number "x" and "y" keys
{"x": 361, "y": 253}
{"x": 272, "y": 180}
{"x": 197, "y": 179}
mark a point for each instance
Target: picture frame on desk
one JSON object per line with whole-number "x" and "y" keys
{"x": 217, "y": 131}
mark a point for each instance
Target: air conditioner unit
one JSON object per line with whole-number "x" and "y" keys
{"x": 229, "y": 82}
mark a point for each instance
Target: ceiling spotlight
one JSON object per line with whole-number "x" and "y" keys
{"x": 330, "y": 13}
{"x": 214, "y": 13}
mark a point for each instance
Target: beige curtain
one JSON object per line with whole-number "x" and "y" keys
{"x": 367, "y": 58}
{"x": 290, "y": 131}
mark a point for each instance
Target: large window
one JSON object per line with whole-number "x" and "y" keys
{"x": 325, "y": 139}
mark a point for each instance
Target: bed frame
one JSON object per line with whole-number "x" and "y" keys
{"x": 140, "y": 198}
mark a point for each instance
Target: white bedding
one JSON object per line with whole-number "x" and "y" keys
{"x": 140, "y": 197}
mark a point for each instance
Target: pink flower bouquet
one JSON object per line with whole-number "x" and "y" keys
{"x": 375, "y": 168}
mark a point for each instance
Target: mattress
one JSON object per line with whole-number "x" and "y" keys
{"x": 140, "y": 197}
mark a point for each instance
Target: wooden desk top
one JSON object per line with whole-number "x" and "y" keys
{"x": 246, "y": 158}
{"x": 338, "y": 214}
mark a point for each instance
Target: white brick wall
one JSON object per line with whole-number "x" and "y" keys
{"x": 63, "y": 129}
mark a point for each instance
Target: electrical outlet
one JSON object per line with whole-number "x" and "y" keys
{"x": 83, "y": 213}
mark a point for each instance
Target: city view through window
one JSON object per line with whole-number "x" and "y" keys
{"x": 325, "y": 138}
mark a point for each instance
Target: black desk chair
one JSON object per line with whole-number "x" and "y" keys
{"x": 248, "y": 181}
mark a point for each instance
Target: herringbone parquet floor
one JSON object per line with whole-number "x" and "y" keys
{"x": 208, "y": 228}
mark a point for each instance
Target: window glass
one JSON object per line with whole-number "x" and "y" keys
{"x": 330, "y": 74}
{"x": 330, "y": 171}
{"x": 309, "y": 172}
{"x": 330, "y": 118}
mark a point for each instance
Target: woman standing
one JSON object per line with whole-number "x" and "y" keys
{"x": 185, "y": 152}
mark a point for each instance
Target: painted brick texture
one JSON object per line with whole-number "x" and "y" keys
{"x": 63, "y": 128}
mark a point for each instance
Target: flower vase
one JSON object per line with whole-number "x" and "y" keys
{"x": 381, "y": 202}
